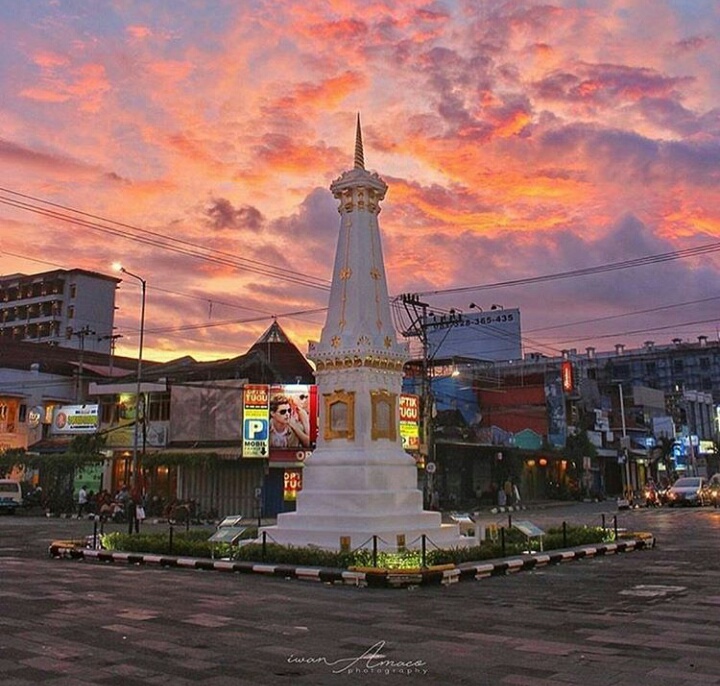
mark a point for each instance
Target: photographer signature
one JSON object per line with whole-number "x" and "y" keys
{"x": 371, "y": 660}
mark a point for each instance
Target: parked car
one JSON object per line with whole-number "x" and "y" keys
{"x": 10, "y": 495}
{"x": 689, "y": 490}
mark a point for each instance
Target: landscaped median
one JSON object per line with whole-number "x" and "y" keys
{"x": 365, "y": 576}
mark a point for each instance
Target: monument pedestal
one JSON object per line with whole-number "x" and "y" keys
{"x": 349, "y": 494}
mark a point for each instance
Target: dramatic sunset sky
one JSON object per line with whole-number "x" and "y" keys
{"x": 195, "y": 140}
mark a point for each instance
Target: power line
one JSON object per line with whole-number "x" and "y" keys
{"x": 156, "y": 239}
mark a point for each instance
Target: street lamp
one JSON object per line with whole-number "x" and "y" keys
{"x": 143, "y": 287}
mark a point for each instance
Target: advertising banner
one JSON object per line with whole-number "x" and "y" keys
{"x": 293, "y": 416}
{"x": 256, "y": 441}
{"x": 555, "y": 403}
{"x": 75, "y": 419}
{"x": 410, "y": 421}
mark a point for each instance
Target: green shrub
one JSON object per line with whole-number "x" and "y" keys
{"x": 194, "y": 543}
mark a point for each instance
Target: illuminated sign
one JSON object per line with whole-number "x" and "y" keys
{"x": 292, "y": 483}
{"x": 410, "y": 421}
{"x": 75, "y": 419}
{"x": 256, "y": 430}
{"x": 279, "y": 419}
{"x": 566, "y": 371}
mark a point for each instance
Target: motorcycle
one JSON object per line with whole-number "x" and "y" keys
{"x": 652, "y": 499}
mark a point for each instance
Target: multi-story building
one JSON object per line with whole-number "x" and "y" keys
{"x": 70, "y": 308}
{"x": 531, "y": 417}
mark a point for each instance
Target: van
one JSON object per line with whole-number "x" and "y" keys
{"x": 10, "y": 495}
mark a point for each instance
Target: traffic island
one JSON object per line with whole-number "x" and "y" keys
{"x": 370, "y": 577}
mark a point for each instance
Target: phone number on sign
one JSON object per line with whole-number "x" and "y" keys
{"x": 490, "y": 319}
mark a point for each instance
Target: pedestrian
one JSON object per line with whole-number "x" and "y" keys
{"x": 82, "y": 500}
{"x": 131, "y": 515}
{"x": 508, "y": 488}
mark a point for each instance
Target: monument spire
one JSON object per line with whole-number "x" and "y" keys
{"x": 359, "y": 156}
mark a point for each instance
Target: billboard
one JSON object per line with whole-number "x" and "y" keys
{"x": 293, "y": 417}
{"x": 494, "y": 335}
{"x": 279, "y": 421}
{"x": 75, "y": 419}
{"x": 556, "y": 414}
{"x": 256, "y": 438}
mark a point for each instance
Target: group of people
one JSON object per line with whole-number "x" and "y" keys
{"x": 123, "y": 506}
{"x": 508, "y": 494}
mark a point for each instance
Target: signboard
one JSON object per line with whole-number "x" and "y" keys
{"x": 75, "y": 419}
{"x": 410, "y": 421}
{"x": 566, "y": 371}
{"x": 555, "y": 403}
{"x": 256, "y": 432}
{"x": 292, "y": 484}
{"x": 293, "y": 416}
{"x": 528, "y": 528}
{"x": 493, "y": 335}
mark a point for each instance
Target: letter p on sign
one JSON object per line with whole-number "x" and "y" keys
{"x": 256, "y": 429}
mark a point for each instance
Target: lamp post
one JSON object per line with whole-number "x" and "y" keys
{"x": 626, "y": 478}
{"x": 143, "y": 286}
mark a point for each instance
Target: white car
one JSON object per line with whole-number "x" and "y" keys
{"x": 689, "y": 490}
{"x": 10, "y": 495}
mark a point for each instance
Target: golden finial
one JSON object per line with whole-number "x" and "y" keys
{"x": 359, "y": 157}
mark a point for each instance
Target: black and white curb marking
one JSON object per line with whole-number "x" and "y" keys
{"x": 380, "y": 578}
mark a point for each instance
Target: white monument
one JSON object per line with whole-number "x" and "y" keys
{"x": 359, "y": 482}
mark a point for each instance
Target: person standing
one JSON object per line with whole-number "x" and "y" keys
{"x": 82, "y": 500}
{"x": 131, "y": 515}
{"x": 508, "y": 488}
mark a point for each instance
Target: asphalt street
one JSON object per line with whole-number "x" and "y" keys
{"x": 646, "y": 617}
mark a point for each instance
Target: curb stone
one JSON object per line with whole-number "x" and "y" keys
{"x": 366, "y": 577}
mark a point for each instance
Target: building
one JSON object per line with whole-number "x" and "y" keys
{"x": 69, "y": 308}
{"x": 593, "y": 423}
{"x": 36, "y": 379}
{"x": 191, "y": 429}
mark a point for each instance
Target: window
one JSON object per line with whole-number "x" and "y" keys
{"x": 159, "y": 407}
{"x": 71, "y": 311}
{"x": 108, "y": 410}
{"x": 73, "y": 290}
{"x": 704, "y": 363}
{"x": 678, "y": 367}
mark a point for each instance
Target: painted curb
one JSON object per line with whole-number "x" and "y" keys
{"x": 443, "y": 575}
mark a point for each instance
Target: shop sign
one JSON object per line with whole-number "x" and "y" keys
{"x": 410, "y": 421}
{"x": 292, "y": 483}
{"x": 75, "y": 419}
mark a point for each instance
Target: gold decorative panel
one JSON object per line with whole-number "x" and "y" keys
{"x": 339, "y": 415}
{"x": 383, "y": 405}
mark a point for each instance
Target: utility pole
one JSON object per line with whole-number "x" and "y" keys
{"x": 81, "y": 334}
{"x": 417, "y": 310}
{"x": 113, "y": 342}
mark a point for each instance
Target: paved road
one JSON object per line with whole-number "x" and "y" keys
{"x": 647, "y": 617}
